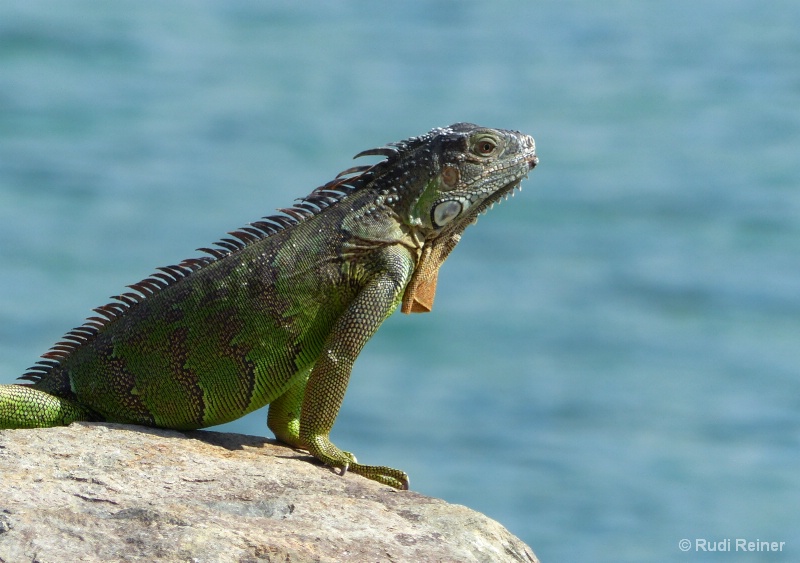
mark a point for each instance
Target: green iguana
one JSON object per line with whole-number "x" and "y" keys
{"x": 278, "y": 313}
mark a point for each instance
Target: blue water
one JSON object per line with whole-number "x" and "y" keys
{"x": 612, "y": 363}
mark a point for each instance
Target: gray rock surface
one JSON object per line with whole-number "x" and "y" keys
{"x": 109, "y": 492}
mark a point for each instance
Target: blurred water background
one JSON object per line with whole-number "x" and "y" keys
{"x": 612, "y": 363}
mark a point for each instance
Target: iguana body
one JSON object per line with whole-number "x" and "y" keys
{"x": 278, "y": 314}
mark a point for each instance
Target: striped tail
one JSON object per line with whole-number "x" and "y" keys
{"x": 22, "y": 406}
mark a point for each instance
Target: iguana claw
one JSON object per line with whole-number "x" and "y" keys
{"x": 382, "y": 474}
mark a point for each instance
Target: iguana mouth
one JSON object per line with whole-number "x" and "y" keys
{"x": 506, "y": 191}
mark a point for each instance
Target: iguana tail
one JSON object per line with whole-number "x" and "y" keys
{"x": 22, "y": 406}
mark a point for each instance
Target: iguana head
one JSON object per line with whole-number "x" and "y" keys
{"x": 447, "y": 178}
{"x": 469, "y": 169}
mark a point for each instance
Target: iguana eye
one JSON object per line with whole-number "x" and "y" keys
{"x": 445, "y": 212}
{"x": 484, "y": 146}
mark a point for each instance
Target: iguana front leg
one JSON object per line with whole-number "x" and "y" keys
{"x": 328, "y": 380}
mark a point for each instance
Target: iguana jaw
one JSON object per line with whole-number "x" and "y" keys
{"x": 420, "y": 291}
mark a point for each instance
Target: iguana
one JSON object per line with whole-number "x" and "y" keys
{"x": 278, "y": 312}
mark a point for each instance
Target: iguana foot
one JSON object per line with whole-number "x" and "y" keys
{"x": 324, "y": 450}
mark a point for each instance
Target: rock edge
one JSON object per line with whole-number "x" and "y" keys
{"x": 111, "y": 492}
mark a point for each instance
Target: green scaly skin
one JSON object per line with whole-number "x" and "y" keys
{"x": 278, "y": 313}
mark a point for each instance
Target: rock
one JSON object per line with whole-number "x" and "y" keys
{"x": 111, "y": 492}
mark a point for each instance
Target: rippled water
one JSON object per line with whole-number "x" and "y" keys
{"x": 612, "y": 363}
